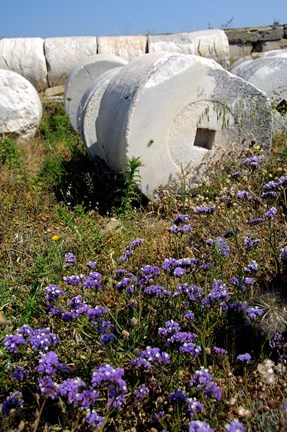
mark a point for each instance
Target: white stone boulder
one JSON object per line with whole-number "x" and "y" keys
{"x": 20, "y": 106}
{"x": 241, "y": 63}
{"x": 88, "y": 113}
{"x": 269, "y": 74}
{"x": 26, "y": 57}
{"x": 82, "y": 76}
{"x": 206, "y": 43}
{"x": 63, "y": 53}
{"x": 173, "y": 111}
{"x": 126, "y": 47}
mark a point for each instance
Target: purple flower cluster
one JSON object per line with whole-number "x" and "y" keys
{"x": 93, "y": 280}
{"x": 129, "y": 250}
{"x": 275, "y": 184}
{"x": 13, "y": 401}
{"x": 93, "y": 419}
{"x": 199, "y": 426}
{"x": 180, "y": 225}
{"x": 254, "y": 312}
{"x": 157, "y": 291}
{"x": 283, "y": 254}
{"x": 203, "y": 381}
{"x": 204, "y": 209}
{"x": 170, "y": 327}
{"x": 194, "y": 406}
{"x": 219, "y": 292}
{"x": 220, "y": 246}
{"x": 244, "y": 195}
{"x": 52, "y": 293}
{"x": 112, "y": 378}
{"x": 244, "y": 358}
{"x": 250, "y": 243}
{"x": 48, "y": 364}
{"x": 39, "y": 339}
{"x": 141, "y": 391}
{"x": 256, "y": 221}
{"x": 252, "y": 162}
{"x": 235, "y": 426}
{"x": 149, "y": 356}
{"x": 251, "y": 267}
{"x": 271, "y": 213}
{"x": 70, "y": 260}
{"x": 148, "y": 273}
{"x": 177, "y": 396}
{"x": 192, "y": 292}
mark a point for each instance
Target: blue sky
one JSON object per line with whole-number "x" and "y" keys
{"x": 50, "y": 18}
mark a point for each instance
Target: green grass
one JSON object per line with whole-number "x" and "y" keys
{"x": 55, "y": 201}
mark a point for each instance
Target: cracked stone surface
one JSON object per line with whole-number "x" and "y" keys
{"x": 88, "y": 114}
{"x": 206, "y": 43}
{"x": 20, "y": 106}
{"x": 63, "y": 53}
{"x": 25, "y": 56}
{"x": 174, "y": 112}
{"x": 82, "y": 76}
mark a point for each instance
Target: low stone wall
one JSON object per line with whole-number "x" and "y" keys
{"x": 250, "y": 40}
{"x": 46, "y": 63}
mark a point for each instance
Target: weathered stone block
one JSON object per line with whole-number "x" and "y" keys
{"x": 26, "y": 57}
{"x": 173, "y": 111}
{"x": 63, "y": 53}
{"x": 20, "y": 106}
{"x": 272, "y": 45}
{"x": 238, "y": 51}
{"x": 254, "y": 34}
{"x": 126, "y": 47}
{"x": 82, "y": 76}
{"x": 180, "y": 43}
{"x": 88, "y": 114}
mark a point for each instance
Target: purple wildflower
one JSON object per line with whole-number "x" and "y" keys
{"x": 244, "y": 357}
{"x": 270, "y": 185}
{"x": 48, "y": 387}
{"x": 70, "y": 388}
{"x": 199, "y": 426}
{"x": 48, "y": 364}
{"x": 12, "y": 402}
{"x": 129, "y": 250}
{"x": 219, "y": 291}
{"x": 219, "y": 351}
{"x": 106, "y": 326}
{"x": 107, "y": 338}
{"x": 271, "y": 213}
{"x": 244, "y": 195}
{"x": 179, "y": 271}
{"x": 20, "y": 373}
{"x": 220, "y": 246}
{"x": 86, "y": 398}
{"x": 204, "y": 209}
{"x": 250, "y": 243}
{"x": 192, "y": 292}
{"x": 177, "y": 396}
{"x": 189, "y": 315}
{"x": 204, "y": 382}
{"x": 170, "y": 327}
{"x": 73, "y": 279}
{"x": 149, "y": 272}
{"x": 150, "y": 355}
{"x": 194, "y": 406}
{"x": 269, "y": 195}
{"x": 93, "y": 419}
{"x": 109, "y": 374}
{"x": 43, "y": 339}
{"x": 13, "y": 342}
{"x": 70, "y": 259}
{"x": 251, "y": 267}
{"x": 283, "y": 254}
{"x": 157, "y": 291}
{"x": 91, "y": 264}
{"x": 254, "y": 312}
{"x": 53, "y": 292}
{"x": 252, "y": 162}
{"x": 141, "y": 391}
{"x": 236, "y": 174}
{"x": 235, "y": 426}
{"x": 256, "y": 221}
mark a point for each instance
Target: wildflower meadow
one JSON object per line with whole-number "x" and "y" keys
{"x": 168, "y": 315}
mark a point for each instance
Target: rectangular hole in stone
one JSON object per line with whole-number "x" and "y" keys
{"x": 204, "y": 138}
